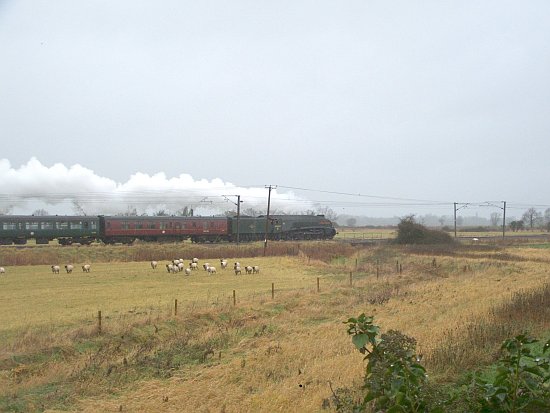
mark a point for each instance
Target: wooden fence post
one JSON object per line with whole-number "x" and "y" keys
{"x": 272, "y": 291}
{"x": 176, "y": 306}
{"x": 234, "y": 299}
{"x": 318, "y": 285}
{"x": 400, "y": 268}
{"x": 350, "y": 279}
{"x": 99, "y": 322}
{"x": 377, "y": 269}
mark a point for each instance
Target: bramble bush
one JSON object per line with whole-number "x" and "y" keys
{"x": 395, "y": 381}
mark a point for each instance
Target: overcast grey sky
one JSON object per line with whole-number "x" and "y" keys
{"x": 433, "y": 100}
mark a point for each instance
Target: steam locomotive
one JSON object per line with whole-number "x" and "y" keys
{"x": 17, "y": 229}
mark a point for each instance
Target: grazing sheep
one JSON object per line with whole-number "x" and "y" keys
{"x": 86, "y": 268}
{"x": 237, "y": 264}
{"x": 55, "y": 269}
{"x": 180, "y": 266}
{"x": 248, "y": 269}
{"x": 193, "y": 266}
{"x": 195, "y": 260}
{"x": 237, "y": 270}
{"x": 211, "y": 270}
{"x": 2, "y": 270}
{"x": 223, "y": 264}
{"x": 188, "y": 271}
{"x": 256, "y": 269}
{"x": 170, "y": 267}
{"x": 154, "y": 265}
{"x": 69, "y": 268}
{"x": 205, "y": 266}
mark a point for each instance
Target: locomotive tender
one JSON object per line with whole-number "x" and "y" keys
{"x": 17, "y": 229}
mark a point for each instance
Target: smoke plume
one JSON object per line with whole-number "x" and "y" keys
{"x": 59, "y": 189}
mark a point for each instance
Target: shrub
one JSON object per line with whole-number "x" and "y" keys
{"x": 411, "y": 232}
{"x": 394, "y": 377}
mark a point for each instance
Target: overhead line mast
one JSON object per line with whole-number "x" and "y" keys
{"x": 270, "y": 187}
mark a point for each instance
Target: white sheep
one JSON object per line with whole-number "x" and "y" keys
{"x": 55, "y": 269}
{"x": 154, "y": 265}
{"x": 195, "y": 260}
{"x": 2, "y": 270}
{"x": 205, "y": 266}
{"x": 170, "y": 267}
{"x": 180, "y": 266}
{"x": 211, "y": 270}
{"x": 69, "y": 268}
{"x": 237, "y": 264}
{"x": 237, "y": 270}
{"x": 223, "y": 264}
{"x": 248, "y": 269}
{"x": 188, "y": 271}
{"x": 256, "y": 269}
{"x": 86, "y": 268}
{"x": 193, "y": 266}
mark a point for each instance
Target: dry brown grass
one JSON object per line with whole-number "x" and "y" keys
{"x": 280, "y": 355}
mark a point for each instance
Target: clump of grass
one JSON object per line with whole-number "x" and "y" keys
{"x": 472, "y": 344}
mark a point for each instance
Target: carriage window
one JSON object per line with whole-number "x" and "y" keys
{"x": 76, "y": 225}
{"x": 85, "y": 224}
{"x": 163, "y": 225}
{"x": 31, "y": 225}
{"x": 125, "y": 225}
{"x": 152, "y": 225}
{"x": 139, "y": 225}
{"x": 46, "y": 225}
{"x": 63, "y": 225}
{"x": 94, "y": 225}
{"x": 9, "y": 225}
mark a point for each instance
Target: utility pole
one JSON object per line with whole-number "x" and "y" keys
{"x": 455, "y": 218}
{"x": 238, "y": 218}
{"x": 270, "y": 187}
{"x": 504, "y": 219}
{"x": 238, "y": 203}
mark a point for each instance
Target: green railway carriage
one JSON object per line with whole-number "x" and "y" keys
{"x": 17, "y": 229}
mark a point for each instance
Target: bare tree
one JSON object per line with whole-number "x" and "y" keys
{"x": 495, "y": 218}
{"x": 532, "y": 218}
{"x": 328, "y": 213}
{"x": 40, "y": 213}
{"x": 351, "y": 222}
{"x": 517, "y": 226}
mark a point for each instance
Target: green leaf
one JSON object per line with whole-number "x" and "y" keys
{"x": 360, "y": 340}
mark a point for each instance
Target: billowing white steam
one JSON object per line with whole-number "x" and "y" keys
{"x": 77, "y": 190}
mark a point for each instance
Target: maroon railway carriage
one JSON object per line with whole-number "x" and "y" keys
{"x": 167, "y": 229}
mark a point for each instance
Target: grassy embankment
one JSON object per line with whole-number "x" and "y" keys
{"x": 263, "y": 354}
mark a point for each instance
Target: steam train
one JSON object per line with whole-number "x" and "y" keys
{"x": 17, "y": 229}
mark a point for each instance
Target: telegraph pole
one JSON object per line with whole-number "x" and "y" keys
{"x": 455, "y": 218}
{"x": 270, "y": 187}
{"x": 504, "y": 219}
{"x": 238, "y": 218}
{"x": 238, "y": 213}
